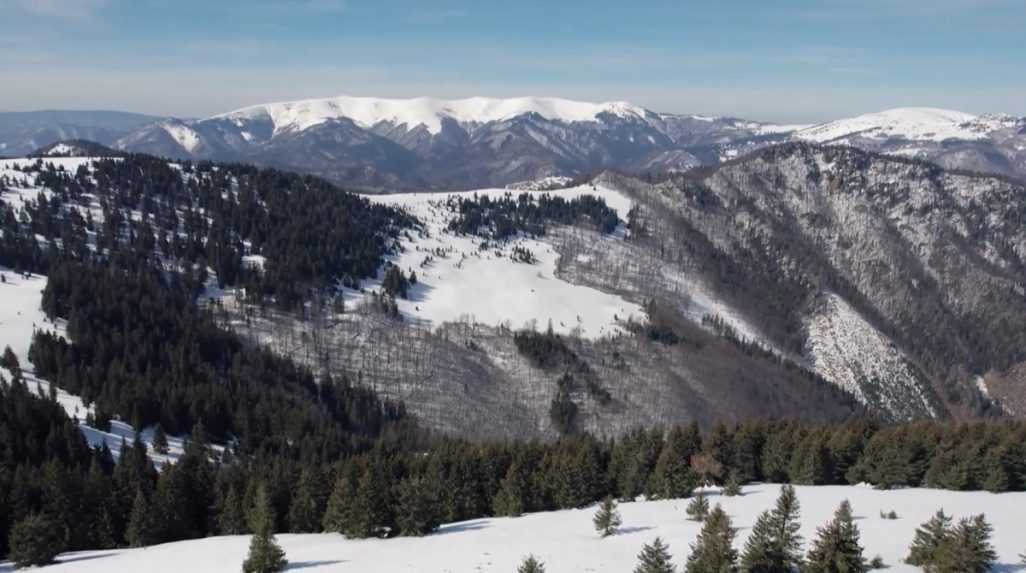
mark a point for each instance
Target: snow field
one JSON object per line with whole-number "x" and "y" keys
{"x": 459, "y": 279}
{"x": 567, "y": 543}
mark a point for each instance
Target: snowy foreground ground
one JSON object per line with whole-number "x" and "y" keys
{"x": 566, "y": 541}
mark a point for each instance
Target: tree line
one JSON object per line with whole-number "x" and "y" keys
{"x": 503, "y": 217}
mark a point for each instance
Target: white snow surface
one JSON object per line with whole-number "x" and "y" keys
{"x": 846, "y": 349}
{"x": 461, "y": 280}
{"x": 429, "y": 112}
{"x": 912, "y": 123}
{"x": 567, "y": 543}
{"x": 183, "y": 134}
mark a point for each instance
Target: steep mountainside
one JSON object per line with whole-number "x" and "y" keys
{"x": 896, "y": 279}
{"x": 800, "y": 280}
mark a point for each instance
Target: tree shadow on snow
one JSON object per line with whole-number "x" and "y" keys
{"x": 8, "y": 567}
{"x": 71, "y": 558}
{"x": 308, "y": 564}
{"x": 462, "y": 527}
{"x": 630, "y": 530}
{"x": 1008, "y": 568}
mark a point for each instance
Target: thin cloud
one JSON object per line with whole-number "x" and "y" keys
{"x": 63, "y": 9}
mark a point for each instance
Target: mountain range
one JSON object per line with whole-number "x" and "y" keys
{"x": 423, "y": 143}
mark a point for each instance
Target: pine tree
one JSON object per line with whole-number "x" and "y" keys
{"x": 34, "y": 541}
{"x": 967, "y": 549}
{"x": 160, "y": 440}
{"x": 265, "y": 556}
{"x": 929, "y": 538}
{"x": 775, "y": 544}
{"x": 607, "y": 519}
{"x": 698, "y": 509}
{"x": 655, "y": 558}
{"x": 338, "y": 517}
{"x": 531, "y": 565}
{"x": 9, "y": 360}
{"x": 509, "y": 500}
{"x": 713, "y": 550}
{"x": 304, "y": 511}
{"x": 141, "y": 527}
{"x": 836, "y": 548}
{"x": 371, "y": 506}
{"x": 733, "y": 486}
{"x": 232, "y": 518}
{"x": 417, "y": 511}
{"x": 673, "y": 476}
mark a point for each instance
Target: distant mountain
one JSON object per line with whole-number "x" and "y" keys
{"x": 992, "y": 143}
{"x": 22, "y": 133}
{"x": 423, "y": 143}
{"x": 468, "y": 143}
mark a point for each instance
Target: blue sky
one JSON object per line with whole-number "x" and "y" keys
{"x": 770, "y": 59}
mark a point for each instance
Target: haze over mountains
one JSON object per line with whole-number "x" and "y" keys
{"x": 424, "y": 143}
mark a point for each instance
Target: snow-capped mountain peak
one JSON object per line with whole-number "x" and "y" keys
{"x": 428, "y": 112}
{"x": 910, "y": 123}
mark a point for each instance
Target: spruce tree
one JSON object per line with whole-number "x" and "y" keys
{"x": 371, "y": 507}
{"x": 338, "y": 517}
{"x": 160, "y": 440}
{"x": 509, "y": 500}
{"x": 713, "y": 550}
{"x": 967, "y": 549}
{"x": 141, "y": 527}
{"x": 531, "y": 565}
{"x": 698, "y": 509}
{"x": 928, "y": 540}
{"x": 607, "y": 519}
{"x": 775, "y": 545}
{"x": 673, "y": 476}
{"x": 265, "y": 556}
{"x": 34, "y": 541}
{"x": 733, "y": 486}
{"x": 417, "y": 511}
{"x": 836, "y": 548}
{"x": 232, "y": 518}
{"x": 304, "y": 512}
{"x": 655, "y": 558}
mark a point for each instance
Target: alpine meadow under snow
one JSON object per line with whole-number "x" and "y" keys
{"x": 566, "y": 542}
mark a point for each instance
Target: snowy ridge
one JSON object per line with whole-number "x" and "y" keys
{"x": 428, "y": 112}
{"x": 566, "y": 542}
{"x": 913, "y": 123}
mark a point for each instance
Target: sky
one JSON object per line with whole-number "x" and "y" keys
{"x": 773, "y": 60}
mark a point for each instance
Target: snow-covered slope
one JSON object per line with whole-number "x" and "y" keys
{"x": 457, "y": 279}
{"x": 368, "y": 112}
{"x": 845, "y": 349}
{"x": 566, "y": 541}
{"x": 911, "y": 123}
